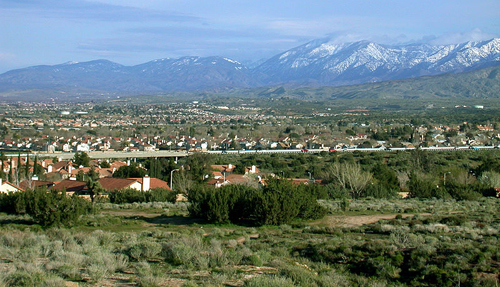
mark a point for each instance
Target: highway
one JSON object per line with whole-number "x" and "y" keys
{"x": 177, "y": 154}
{"x": 107, "y": 154}
{"x": 350, "y": 150}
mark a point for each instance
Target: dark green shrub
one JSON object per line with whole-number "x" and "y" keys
{"x": 230, "y": 203}
{"x": 47, "y": 208}
{"x": 129, "y": 195}
{"x": 128, "y": 171}
{"x": 379, "y": 190}
{"x": 463, "y": 191}
{"x": 277, "y": 203}
{"x": 160, "y": 195}
{"x": 281, "y": 201}
{"x": 335, "y": 192}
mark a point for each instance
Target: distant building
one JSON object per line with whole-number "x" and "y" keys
{"x": 7, "y": 187}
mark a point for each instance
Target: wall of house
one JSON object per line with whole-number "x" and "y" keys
{"x": 6, "y": 188}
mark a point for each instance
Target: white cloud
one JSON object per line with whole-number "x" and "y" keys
{"x": 7, "y": 57}
{"x": 454, "y": 38}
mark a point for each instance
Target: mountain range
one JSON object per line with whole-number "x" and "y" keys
{"x": 317, "y": 63}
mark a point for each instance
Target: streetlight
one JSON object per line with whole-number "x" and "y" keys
{"x": 171, "y": 174}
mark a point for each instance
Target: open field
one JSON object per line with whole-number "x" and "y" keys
{"x": 404, "y": 242}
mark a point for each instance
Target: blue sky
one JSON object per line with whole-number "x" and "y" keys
{"x": 130, "y": 32}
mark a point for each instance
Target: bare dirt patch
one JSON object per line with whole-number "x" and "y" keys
{"x": 357, "y": 220}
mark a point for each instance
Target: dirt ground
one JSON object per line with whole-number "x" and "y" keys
{"x": 329, "y": 220}
{"x": 356, "y": 220}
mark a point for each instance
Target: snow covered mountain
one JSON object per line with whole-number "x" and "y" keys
{"x": 323, "y": 63}
{"x": 317, "y": 63}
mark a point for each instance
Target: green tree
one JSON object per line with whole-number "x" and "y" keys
{"x": 281, "y": 201}
{"x": 154, "y": 167}
{"x": 128, "y": 171}
{"x": 27, "y": 168}
{"x": 198, "y": 166}
{"x": 3, "y": 158}
{"x": 51, "y": 208}
{"x": 104, "y": 164}
{"x": 349, "y": 176}
{"x": 385, "y": 176}
{"x": 81, "y": 159}
{"x": 425, "y": 186}
{"x": 94, "y": 188}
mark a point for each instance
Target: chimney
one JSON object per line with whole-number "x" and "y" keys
{"x": 72, "y": 178}
{"x": 230, "y": 166}
{"x": 43, "y": 164}
{"x": 70, "y": 168}
{"x": 49, "y": 168}
{"x": 253, "y": 169}
{"x": 128, "y": 162}
{"x": 146, "y": 183}
{"x": 35, "y": 177}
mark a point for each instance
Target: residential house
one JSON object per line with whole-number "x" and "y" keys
{"x": 7, "y": 187}
{"x": 231, "y": 179}
{"x": 143, "y": 184}
{"x": 251, "y": 170}
{"x": 71, "y": 186}
{"x": 34, "y": 183}
{"x": 223, "y": 168}
{"x": 103, "y": 172}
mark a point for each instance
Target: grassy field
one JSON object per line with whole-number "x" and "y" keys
{"x": 373, "y": 243}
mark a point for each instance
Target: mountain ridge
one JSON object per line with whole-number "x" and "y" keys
{"x": 316, "y": 63}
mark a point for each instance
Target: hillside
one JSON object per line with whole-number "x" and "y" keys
{"x": 314, "y": 65}
{"x": 483, "y": 83}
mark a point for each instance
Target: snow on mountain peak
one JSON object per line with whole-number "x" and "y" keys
{"x": 363, "y": 60}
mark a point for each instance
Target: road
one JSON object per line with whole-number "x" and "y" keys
{"x": 176, "y": 154}
{"x": 108, "y": 154}
{"x": 349, "y": 150}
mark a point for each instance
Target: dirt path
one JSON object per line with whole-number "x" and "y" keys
{"x": 357, "y": 220}
{"x": 329, "y": 220}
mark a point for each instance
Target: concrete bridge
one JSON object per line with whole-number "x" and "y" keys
{"x": 106, "y": 154}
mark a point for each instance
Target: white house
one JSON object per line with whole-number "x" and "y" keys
{"x": 7, "y": 187}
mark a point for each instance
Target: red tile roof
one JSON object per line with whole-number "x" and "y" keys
{"x": 71, "y": 185}
{"x": 112, "y": 183}
{"x": 154, "y": 183}
{"x": 32, "y": 184}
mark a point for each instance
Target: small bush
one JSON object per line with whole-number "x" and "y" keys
{"x": 269, "y": 281}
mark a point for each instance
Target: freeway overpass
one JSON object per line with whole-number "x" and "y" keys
{"x": 177, "y": 154}
{"x": 108, "y": 154}
{"x": 350, "y": 150}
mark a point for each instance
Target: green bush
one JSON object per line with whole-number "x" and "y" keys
{"x": 279, "y": 202}
{"x": 230, "y": 203}
{"x": 47, "y": 208}
{"x": 129, "y": 195}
